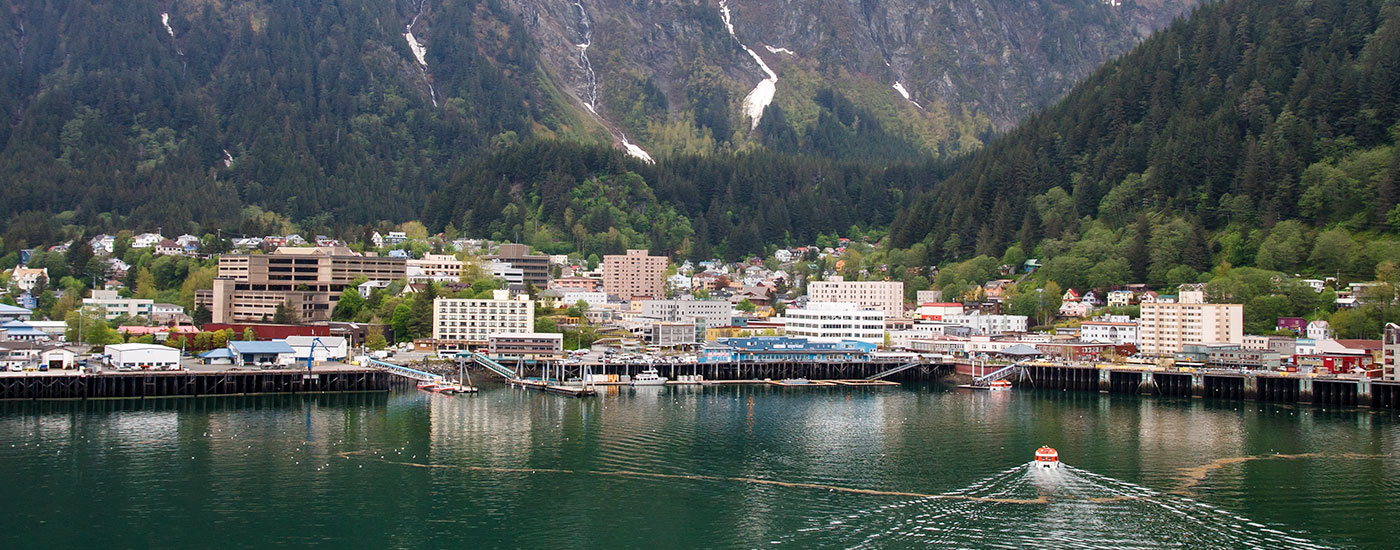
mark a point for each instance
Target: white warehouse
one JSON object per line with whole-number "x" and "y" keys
{"x": 143, "y": 356}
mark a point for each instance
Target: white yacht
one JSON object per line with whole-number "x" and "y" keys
{"x": 649, "y": 377}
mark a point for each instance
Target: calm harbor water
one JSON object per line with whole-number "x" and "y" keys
{"x": 681, "y": 467}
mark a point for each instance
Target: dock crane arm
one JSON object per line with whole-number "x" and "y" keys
{"x": 311, "y": 353}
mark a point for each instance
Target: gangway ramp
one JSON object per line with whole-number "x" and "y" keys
{"x": 893, "y": 371}
{"x": 406, "y": 372}
{"x": 493, "y": 366}
{"x": 999, "y": 374}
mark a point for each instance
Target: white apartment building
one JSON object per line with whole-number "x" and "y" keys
{"x": 887, "y": 296}
{"x": 434, "y": 268}
{"x": 704, "y": 313}
{"x": 473, "y": 321}
{"x": 116, "y": 306}
{"x": 836, "y": 320}
{"x": 1167, "y": 328}
{"x": 988, "y": 324}
{"x": 593, "y": 299}
{"x": 1109, "y": 332}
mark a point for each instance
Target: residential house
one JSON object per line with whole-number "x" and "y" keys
{"x": 146, "y": 240}
{"x": 1319, "y": 330}
{"x": 1075, "y": 309}
{"x": 1120, "y": 298}
{"x": 1092, "y": 299}
{"x": 168, "y": 247}
{"x": 103, "y": 244}
{"x": 1297, "y": 325}
{"x": 25, "y": 278}
{"x": 1071, "y": 295}
{"x": 996, "y": 289}
{"x": 394, "y": 238}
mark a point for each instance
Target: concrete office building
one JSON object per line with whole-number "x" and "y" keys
{"x": 116, "y": 306}
{"x": 665, "y": 334}
{"x": 534, "y": 268}
{"x": 887, "y": 296}
{"x": 635, "y": 275}
{"x": 529, "y": 346}
{"x": 472, "y": 322}
{"x": 308, "y": 279}
{"x": 703, "y": 313}
{"x": 434, "y": 268}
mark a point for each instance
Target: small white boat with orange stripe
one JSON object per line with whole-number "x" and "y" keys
{"x": 1046, "y": 457}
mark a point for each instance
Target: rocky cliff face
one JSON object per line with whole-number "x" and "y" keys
{"x": 671, "y": 75}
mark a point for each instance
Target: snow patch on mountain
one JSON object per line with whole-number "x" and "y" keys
{"x": 904, "y": 92}
{"x": 762, "y": 94}
{"x": 779, "y": 50}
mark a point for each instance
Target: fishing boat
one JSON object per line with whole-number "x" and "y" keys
{"x": 1047, "y": 458}
{"x": 649, "y": 377}
{"x": 428, "y": 385}
{"x": 995, "y": 385}
{"x": 453, "y": 388}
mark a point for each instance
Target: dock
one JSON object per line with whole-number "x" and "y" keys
{"x": 184, "y": 383}
{"x": 555, "y": 388}
{"x": 1225, "y": 384}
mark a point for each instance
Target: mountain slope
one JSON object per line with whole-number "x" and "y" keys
{"x": 308, "y": 109}
{"x": 1253, "y": 122}
{"x": 199, "y": 115}
{"x": 939, "y": 75}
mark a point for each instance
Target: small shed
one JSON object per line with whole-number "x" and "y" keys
{"x": 254, "y": 353}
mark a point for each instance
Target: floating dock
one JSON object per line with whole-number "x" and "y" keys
{"x": 561, "y": 389}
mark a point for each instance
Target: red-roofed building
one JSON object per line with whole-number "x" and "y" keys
{"x": 270, "y": 331}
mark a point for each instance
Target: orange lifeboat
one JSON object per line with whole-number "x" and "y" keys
{"x": 1046, "y": 457}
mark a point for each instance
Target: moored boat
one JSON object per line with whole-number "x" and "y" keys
{"x": 649, "y": 377}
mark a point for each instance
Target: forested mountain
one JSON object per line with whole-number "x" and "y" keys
{"x": 193, "y": 116}
{"x": 1254, "y": 133}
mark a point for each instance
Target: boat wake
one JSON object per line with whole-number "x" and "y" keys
{"x": 1065, "y": 507}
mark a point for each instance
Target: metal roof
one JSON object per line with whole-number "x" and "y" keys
{"x": 271, "y": 346}
{"x": 6, "y": 309}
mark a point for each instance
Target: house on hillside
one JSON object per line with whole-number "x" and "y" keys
{"x": 1120, "y": 298}
{"x": 1071, "y": 295}
{"x": 146, "y": 240}
{"x": 25, "y": 278}
{"x": 1075, "y": 309}
{"x": 168, "y": 247}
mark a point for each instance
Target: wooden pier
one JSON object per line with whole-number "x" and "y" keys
{"x": 774, "y": 370}
{"x": 1268, "y": 386}
{"x": 145, "y": 385}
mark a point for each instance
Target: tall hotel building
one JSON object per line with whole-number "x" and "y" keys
{"x": 473, "y": 322}
{"x": 635, "y": 275}
{"x": 887, "y": 296}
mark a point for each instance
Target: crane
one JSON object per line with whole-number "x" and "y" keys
{"x": 311, "y": 352}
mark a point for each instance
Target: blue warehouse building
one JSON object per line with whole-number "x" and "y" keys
{"x": 784, "y": 349}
